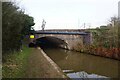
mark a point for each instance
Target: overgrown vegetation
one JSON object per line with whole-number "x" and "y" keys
{"x": 105, "y": 41}
{"x": 15, "y": 25}
{"x": 16, "y": 64}
{"x": 107, "y": 37}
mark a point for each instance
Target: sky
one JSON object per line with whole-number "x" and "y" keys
{"x": 70, "y": 14}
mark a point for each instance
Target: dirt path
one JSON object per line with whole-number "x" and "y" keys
{"x": 40, "y": 67}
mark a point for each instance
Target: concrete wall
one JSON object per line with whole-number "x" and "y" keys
{"x": 87, "y": 38}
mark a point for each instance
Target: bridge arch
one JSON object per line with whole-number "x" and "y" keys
{"x": 50, "y": 41}
{"x": 63, "y": 38}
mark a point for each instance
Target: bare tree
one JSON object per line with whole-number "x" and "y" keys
{"x": 43, "y": 24}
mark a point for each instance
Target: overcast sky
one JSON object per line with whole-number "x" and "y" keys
{"x": 70, "y": 14}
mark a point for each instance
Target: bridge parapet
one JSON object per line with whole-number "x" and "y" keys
{"x": 63, "y": 30}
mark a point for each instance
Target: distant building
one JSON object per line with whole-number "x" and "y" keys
{"x": 119, "y": 9}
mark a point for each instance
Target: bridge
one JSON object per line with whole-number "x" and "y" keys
{"x": 68, "y": 39}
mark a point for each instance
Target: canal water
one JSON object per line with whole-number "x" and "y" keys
{"x": 81, "y": 65}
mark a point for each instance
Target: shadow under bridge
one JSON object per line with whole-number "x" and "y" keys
{"x": 50, "y": 42}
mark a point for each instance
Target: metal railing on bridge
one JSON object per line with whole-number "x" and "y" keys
{"x": 65, "y": 33}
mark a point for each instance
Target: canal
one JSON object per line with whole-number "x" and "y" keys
{"x": 81, "y": 65}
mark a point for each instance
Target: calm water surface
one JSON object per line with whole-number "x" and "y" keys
{"x": 81, "y": 65}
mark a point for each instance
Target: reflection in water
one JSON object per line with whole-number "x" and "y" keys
{"x": 83, "y": 74}
{"x": 76, "y": 64}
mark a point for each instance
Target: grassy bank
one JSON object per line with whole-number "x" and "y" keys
{"x": 15, "y": 63}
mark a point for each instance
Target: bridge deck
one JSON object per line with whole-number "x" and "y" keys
{"x": 65, "y": 33}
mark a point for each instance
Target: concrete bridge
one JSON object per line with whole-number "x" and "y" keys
{"x": 68, "y": 39}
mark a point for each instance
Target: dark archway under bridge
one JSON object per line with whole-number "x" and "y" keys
{"x": 49, "y": 41}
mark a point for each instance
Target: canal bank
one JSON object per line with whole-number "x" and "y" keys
{"x": 41, "y": 66}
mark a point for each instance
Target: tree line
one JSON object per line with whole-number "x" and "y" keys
{"x": 15, "y": 25}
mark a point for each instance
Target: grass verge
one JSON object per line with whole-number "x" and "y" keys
{"x": 15, "y": 64}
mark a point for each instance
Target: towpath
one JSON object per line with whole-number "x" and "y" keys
{"x": 41, "y": 66}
